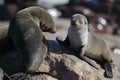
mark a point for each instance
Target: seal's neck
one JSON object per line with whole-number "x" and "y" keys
{"x": 82, "y": 34}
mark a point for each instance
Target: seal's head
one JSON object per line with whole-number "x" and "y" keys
{"x": 48, "y": 28}
{"x": 78, "y": 21}
{"x": 46, "y": 23}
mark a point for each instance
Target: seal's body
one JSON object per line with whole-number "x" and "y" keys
{"x": 25, "y": 31}
{"x": 87, "y": 44}
{"x": 3, "y": 37}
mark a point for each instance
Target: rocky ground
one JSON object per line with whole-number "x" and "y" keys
{"x": 61, "y": 63}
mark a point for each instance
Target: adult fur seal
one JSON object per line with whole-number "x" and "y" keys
{"x": 3, "y": 37}
{"x": 25, "y": 31}
{"x": 88, "y": 45}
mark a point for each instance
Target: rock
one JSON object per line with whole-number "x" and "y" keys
{"x": 61, "y": 64}
{"x": 21, "y": 76}
{"x": 69, "y": 67}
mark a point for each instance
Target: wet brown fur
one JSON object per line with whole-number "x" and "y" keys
{"x": 25, "y": 31}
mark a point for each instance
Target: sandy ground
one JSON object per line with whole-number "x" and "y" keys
{"x": 63, "y": 24}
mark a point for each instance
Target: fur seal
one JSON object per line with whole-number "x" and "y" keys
{"x": 3, "y": 37}
{"x": 25, "y": 31}
{"x": 87, "y": 44}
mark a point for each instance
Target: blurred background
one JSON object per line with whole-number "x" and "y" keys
{"x": 103, "y": 16}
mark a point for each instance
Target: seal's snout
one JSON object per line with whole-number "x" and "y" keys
{"x": 53, "y": 30}
{"x": 75, "y": 22}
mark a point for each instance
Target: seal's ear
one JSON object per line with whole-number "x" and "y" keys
{"x": 85, "y": 20}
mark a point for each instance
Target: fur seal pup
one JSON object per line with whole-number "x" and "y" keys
{"x": 25, "y": 31}
{"x": 88, "y": 45}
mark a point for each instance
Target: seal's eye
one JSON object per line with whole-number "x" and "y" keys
{"x": 49, "y": 29}
{"x": 46, "y": 29}
{"x": 72, "y": 20}
{"x": 85, "y": 22}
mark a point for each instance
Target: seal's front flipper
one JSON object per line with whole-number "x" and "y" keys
{"x": 108, "y": 70}
{"x": 63, "y": 42}
{"x": 89, "y": 61}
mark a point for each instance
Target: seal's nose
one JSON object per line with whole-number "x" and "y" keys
{"x": 53, "y": 30}
{"x": 75, "y": 22}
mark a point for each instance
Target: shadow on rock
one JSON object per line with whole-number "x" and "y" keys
{"x": 59, "y": 69}
{"x": 57, "y": 48}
